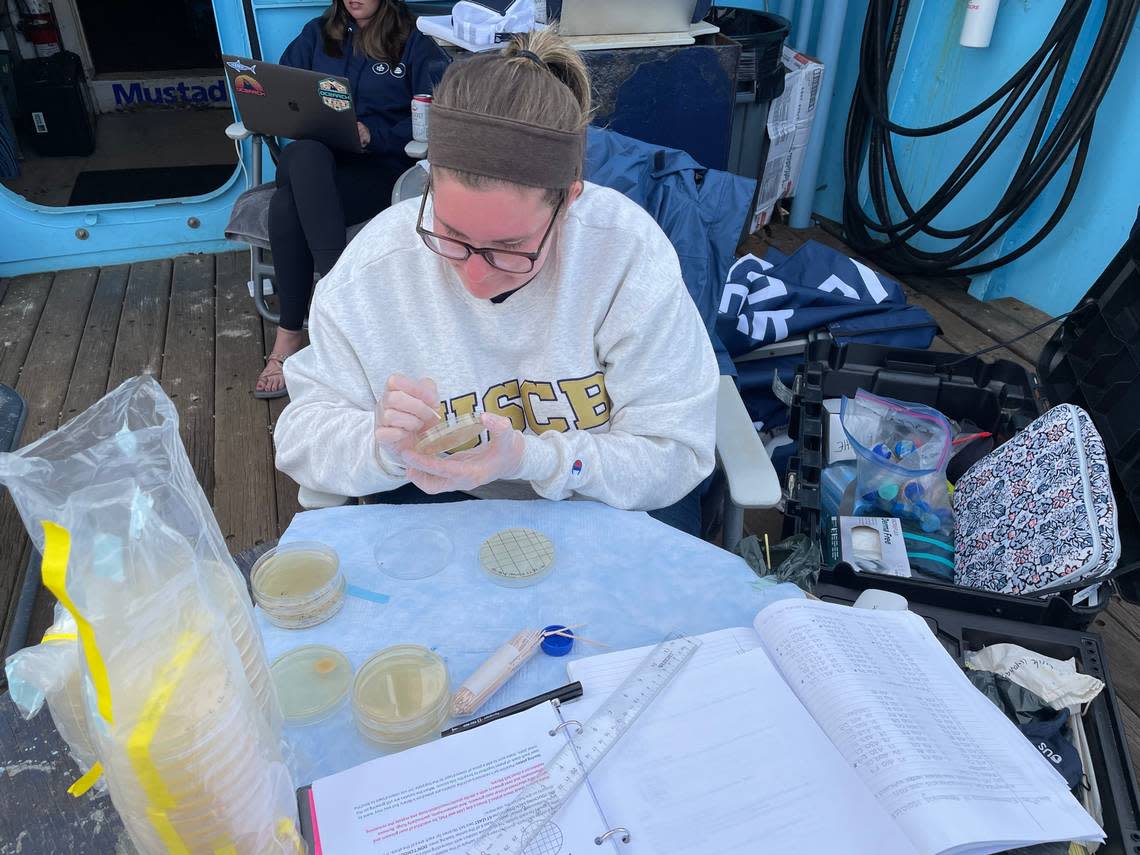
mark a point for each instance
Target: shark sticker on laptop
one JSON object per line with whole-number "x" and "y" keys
{"x": 334, "y": 94}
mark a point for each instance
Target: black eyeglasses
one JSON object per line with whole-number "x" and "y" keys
{"x": 507, "y": 260}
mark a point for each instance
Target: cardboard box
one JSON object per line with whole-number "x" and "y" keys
{"x": 835, "y": 438}
{"x": 790, "y": 119}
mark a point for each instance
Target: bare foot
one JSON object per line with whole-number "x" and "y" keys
{"x": 272, "y": 379}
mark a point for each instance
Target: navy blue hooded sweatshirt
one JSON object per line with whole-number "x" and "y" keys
{"x": 382, "y": 93}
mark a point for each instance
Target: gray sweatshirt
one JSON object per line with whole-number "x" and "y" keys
{"x": 601, "y": 360}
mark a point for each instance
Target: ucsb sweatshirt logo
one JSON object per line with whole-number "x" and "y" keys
{"x": 530, "y": 404}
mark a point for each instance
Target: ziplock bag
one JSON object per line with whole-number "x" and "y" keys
{"x": 1038, "y": 512}
{"x": 179, "y": 704}
{"x": 901, "y": 454}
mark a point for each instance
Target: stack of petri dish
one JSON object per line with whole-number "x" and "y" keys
{"x": 401, "y": 696}
{"x": 229, "y": 595}
{"x": 193, "y": 760}
{"x": 298, "y": 584}
{"x": 312, "y": 682}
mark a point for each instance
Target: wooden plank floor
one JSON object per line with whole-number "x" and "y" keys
{"x": 67, "y": 338}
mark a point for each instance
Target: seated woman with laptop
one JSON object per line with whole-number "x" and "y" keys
{"x": 322, "y": 191}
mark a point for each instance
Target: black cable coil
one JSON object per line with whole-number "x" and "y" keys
{"x": 870, "y": 130}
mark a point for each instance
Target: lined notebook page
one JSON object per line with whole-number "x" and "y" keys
{"x": 938, "y": 755}
{"x": 725, "y": 758}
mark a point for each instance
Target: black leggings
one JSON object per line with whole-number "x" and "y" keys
{"x": 320, "y": 192}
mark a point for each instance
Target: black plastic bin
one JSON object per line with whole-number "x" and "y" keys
{"x": 1108, "y": 745}
{"x": 55, "y": 105}
{"x": 759, "y": 79}
{"x": 1001, "y": 397}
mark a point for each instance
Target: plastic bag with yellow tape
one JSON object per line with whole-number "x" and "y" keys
{"x": 178, "y": 700}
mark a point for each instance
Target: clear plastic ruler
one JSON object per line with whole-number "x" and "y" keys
{"x": 520, "y": 822}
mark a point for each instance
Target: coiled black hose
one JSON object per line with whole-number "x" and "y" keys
{"x": 870, "y": 130}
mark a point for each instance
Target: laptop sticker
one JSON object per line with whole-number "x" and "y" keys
{"x": 334, "y": 94}
{"x": 246, "y": 85}
{"x": 238, "y": 66}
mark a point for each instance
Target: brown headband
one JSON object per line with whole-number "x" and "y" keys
{"x": 512, "y": 151}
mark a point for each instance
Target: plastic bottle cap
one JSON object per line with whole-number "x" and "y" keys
{"x": 312, "y": 681}
{"x": 930, "y": 523}
{"x": 882, "y": 451}
{"x": 888, "y": 490}
{"x": 913, "y": 491}
{"x": 450, "y": 435}
{"x": 904, "y": 447}
{"x": 557, "y": 645}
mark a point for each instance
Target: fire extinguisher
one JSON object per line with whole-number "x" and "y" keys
{"x": 38, "y": 24}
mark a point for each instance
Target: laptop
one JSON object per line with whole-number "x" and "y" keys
{"x": 623, "y": 17}
{"x": 295, "y": 103}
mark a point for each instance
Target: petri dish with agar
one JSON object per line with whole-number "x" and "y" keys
{"x": 416, "y": 552}
{"x": 401, "y": 696}
{"x": 450, "y": 434}
{"x": 312, "y": 682}
{"x": 298, "y": 584}
{"x": 517, "y": 557}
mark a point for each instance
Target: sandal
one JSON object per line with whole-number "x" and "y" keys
{"x": 265, "y": 394}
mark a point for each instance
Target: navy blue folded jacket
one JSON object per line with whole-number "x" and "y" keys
{"x": 381, "y": 92}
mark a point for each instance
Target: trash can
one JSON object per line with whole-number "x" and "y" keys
{"x": 759, "y": 79}
{"x": 56, "y": 106}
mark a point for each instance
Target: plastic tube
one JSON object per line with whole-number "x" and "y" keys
{"x": 978, "y": 26}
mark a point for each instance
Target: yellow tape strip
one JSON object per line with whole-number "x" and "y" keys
{"x": 287, "y": 828}
{"x": 58, "y": 636}
{"x": 85, "y": 783}
{"x": 57, "y": 551}
{"x": 140, "y": 739}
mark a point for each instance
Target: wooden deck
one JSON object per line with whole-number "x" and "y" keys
{"x": 67, "y": 338}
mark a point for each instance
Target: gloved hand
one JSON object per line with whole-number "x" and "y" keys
{"x": 466, "y": 470}
{"x": 406, "y": 408}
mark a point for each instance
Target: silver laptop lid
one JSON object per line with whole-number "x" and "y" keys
{"x": 621, "y": 17}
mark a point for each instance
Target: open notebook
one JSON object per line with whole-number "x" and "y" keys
{"x": 824, "y": 729}
{"x": 821, "y": 729}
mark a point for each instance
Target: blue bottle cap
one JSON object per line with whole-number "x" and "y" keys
{"x": 888, "y": 490}
{"x": 904, "y": 447}
{"x": 913, "y": 491}
{"x": 930, "y": 523}
{"x": 921, "y": 506}
{"x": 557, "y": 645}
{"x": 898, "y": 509}
{"x": 882, "y": 451}
{"x": 870, "y": 496}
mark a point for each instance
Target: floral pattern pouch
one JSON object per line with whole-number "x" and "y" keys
{"x": 1038, "y": 512}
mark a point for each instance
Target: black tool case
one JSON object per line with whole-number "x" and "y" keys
{"x": 960, "y": 632}
{"x": 1092, "y": 360}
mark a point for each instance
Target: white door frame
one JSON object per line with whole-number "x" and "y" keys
{"x": 71, "y": 33}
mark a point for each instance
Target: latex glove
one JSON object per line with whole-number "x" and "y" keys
{"x": 406, "y": 409}
{"x": 365, "y": 134}
{"x": 466, "y": 470}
